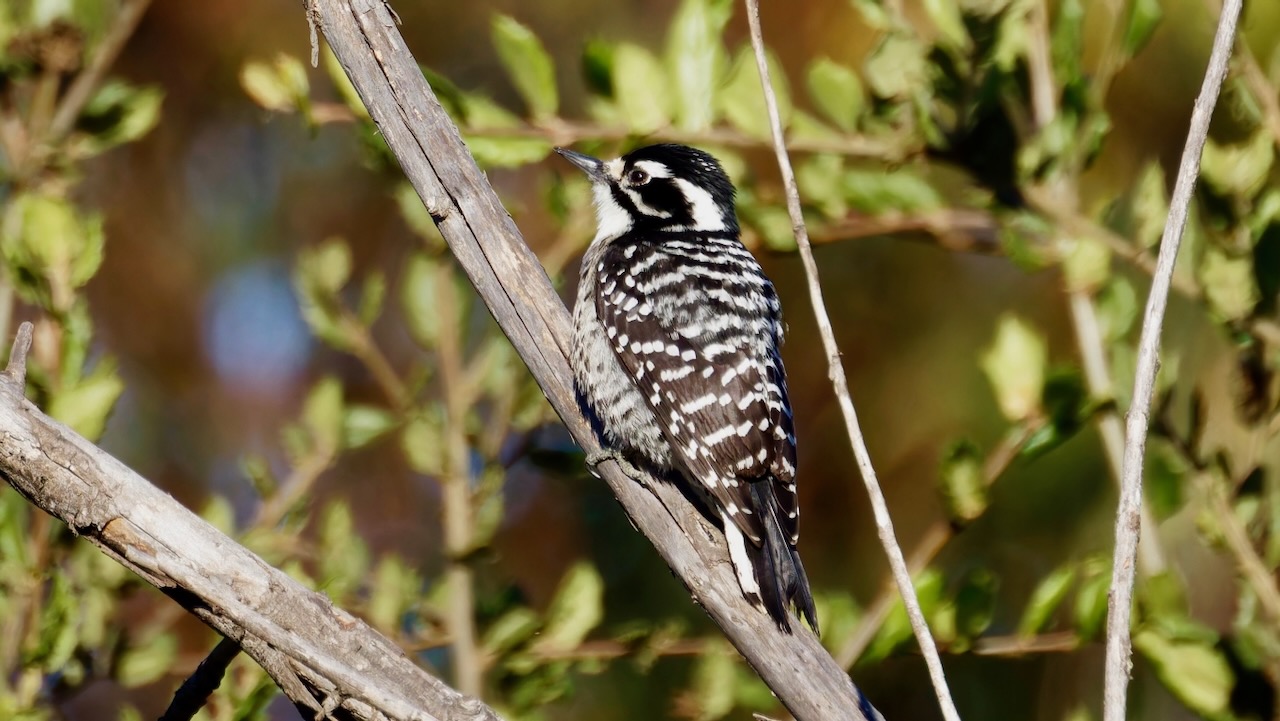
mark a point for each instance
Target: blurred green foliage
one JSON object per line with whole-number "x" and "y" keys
{"x": 994, "y": 109}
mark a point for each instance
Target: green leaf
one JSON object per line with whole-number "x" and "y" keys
{"x": 1086, "y": 263}
{"x": 280, "y": 86}
{"x": 322, "y": 416}
{"x": 1195, "y": 672}
{"x": 713, "y": 686}
{"x": 878, "y": 191}
{"x": 423, "y": 443}
{"x": 417, "y": 218}
{"x": 510, "y": 630}
{"x": 945, "y": 15}
{"x": 1090, "y": 608}
{"x": 577, "y": 608}
{"x": 819, "y": 178}
{"x": 1229, "y": 283}
{"x": 395, "y": 588}
{"x": 964, "y": 486}
{"x": 1067, "y": 41}
{"x": 327, "y": 266}
{"x": 362, "y": 424}
{"x": 421, "y": 290}
{"x": 342, "y": 83}
{"x": 741, "y": 100}
{"x": 1149, "y": 206}
{"x": 1045, "y": 600}
{"x": 1165, "y": 473}
{"x": 372, "y": 294}
{"x": 837, "y": 92}
{"x": 219, "y": 513}
{"x": 87, "y": 405}
{"x": 528, "y": 65}
{"x": 1144, "y": 16}
{"x": 344, "y": 558}
{"x": 1015, "y": 366}
{"x": 117, "y": 113}
{"x": 141, "y": 665}
{"x": 641, "y": 88}
{"x": 495, "y": 150}
{"x": 597, "y": 67}
{"x": 773, "y": 224}
{"x": 897, "y": 68}
{"x": 976, "y": 603}
{"x": 696, "y": 59}
{"x": 1239, "y": 169}
{"x": 896, "y": 628}
{"x": 1117, "y": 309}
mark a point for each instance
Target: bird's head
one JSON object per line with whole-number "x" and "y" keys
{"x": 659, "y": 187}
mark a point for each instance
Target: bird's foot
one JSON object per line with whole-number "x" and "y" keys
{"x": 612, "y": 454}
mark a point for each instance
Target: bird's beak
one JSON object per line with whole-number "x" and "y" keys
{"x": 593, "y": 167}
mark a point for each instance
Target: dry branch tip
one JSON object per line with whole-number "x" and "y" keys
{"x": 15, "y": 374}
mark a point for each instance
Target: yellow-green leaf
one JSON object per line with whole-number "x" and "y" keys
{"x": 527, "y": 64}
{"x": 1015, "y": 366}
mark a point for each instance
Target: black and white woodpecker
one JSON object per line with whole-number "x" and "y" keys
{"x": 676, "y": 352}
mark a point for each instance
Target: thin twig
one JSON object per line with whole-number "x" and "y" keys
{"x": 457, "y": 483}
{"x": 1259, "y": 576}
{"x": 192, "y": 695}
{"x": 83, "y": 87}
{"x": 884, "y": 523}
{"x": 1128, "y": 523}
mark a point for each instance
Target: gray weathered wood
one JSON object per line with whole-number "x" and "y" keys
{"x": 513, "y": 284}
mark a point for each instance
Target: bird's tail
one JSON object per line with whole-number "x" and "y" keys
{"x": 779, "y": 574}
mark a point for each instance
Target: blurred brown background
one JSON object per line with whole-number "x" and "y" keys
{"x": 206, "y": 214}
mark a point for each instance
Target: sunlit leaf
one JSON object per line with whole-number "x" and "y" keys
{"x": 527, "y": 64}
{"x": 976, "y": 603}
{"x": 945, "y": 15}
{"x": 86, "y": 406}
{"x": 641, "y": 89}
{"x": 423, "y": 444}
{"x": 963, "y": 483}
{"x": 1241, "y": 168}
{"x": 1090, "y": 608}
{"x": 322, "y": 415}
{"x": 882, "y": 190}
{"x": 1195, "y": 672}
{"x": 837, "y": 92}
{"x": 140, "y": 665}
{"x": 1015, "y": 366}
{"x": 1229, "y": 283}
{"x": 713, "y": 682}
{"x": 1165, "y": 473}
{"x": 1045, "y": 600}
{"x": 1117, "y": 308}
{"x": 696, "y": 59}
{"x": 1086, "y": 262}
{"x": 1149, "y": 206}
{"x": 741, "y": 99}
{"x": 362, "y": 424}
{"x": 897, "y": 67}
{"x": 577, "y": 608}
{"x": 1144, "y": 16}
{"x": 510, "y": 629}
{"x": 117, "y": 113}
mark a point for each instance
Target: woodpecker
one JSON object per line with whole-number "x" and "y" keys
{"x": 675, "y": 352}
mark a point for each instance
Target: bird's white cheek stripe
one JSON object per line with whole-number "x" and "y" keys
{"x": 613, "y": 221}
{"x": 703, "y": 209}
{"x": 738, "y": 555}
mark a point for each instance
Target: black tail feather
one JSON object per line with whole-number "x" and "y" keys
{"x": 777, "y": 564}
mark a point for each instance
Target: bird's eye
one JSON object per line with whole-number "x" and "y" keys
{"x": 637, "y": 177}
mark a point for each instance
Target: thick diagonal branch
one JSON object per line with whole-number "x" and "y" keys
{"x": 511, "y": 282}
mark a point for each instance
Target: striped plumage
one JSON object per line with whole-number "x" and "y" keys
{"x": 676, "y": 352}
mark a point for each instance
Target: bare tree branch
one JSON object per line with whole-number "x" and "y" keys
{"x": 1128, "y": 514}
{"x": 509, "y": 279}
{"x": 880, "y": 509}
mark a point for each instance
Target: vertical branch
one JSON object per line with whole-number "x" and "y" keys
{"x": 457, "y": 482}
{"x": 1128, "y": 523}
{"x": 884, "y": 523}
